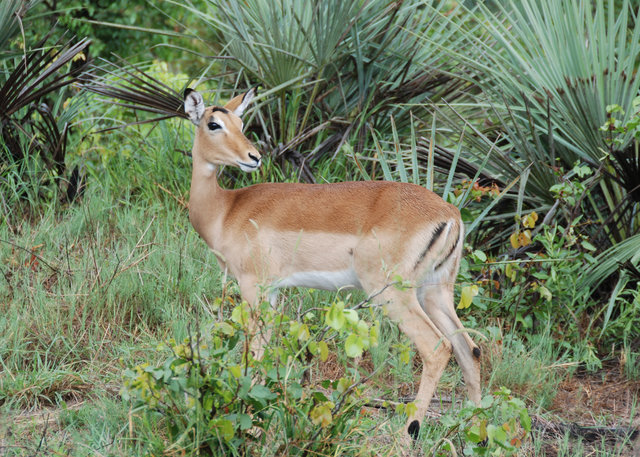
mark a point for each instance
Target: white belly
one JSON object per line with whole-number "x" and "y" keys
{"x": 325, "y": 280}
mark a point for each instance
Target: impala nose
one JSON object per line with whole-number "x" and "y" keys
{"x": 255, "y": 158}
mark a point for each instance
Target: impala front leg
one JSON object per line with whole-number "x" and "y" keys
{"x": 257, "y": 333}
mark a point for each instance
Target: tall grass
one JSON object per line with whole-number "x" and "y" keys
{"x": 83, "y": 286}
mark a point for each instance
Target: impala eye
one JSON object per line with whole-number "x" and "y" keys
{"x": 213, "y": 126}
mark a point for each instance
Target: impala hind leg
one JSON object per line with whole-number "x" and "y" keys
{"x": 434, "y": 349}
{"x": 437, "y": 302}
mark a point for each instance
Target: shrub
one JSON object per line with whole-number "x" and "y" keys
{"x": 209, "y": 393}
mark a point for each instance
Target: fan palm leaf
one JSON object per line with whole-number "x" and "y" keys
{"x": 39, "y": 73}
{"x": 136, "y": 89}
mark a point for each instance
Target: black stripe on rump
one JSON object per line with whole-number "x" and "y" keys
{"x": 434, "y": 237}
{"x": 442, "y": 262}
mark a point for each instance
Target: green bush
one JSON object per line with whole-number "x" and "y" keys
{"x": 498, "y": 426}
{"x": 210, "y": 393}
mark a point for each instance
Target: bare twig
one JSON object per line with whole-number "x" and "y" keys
{"x": 54, "y": 269}
{"x": 43, "y": 437}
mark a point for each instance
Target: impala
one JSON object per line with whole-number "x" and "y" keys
{"x": 333, "y": 236}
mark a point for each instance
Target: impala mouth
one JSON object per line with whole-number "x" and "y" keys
{"x": 249, "y": 167}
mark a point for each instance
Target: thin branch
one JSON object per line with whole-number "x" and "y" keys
{"x": 54, "y": 269}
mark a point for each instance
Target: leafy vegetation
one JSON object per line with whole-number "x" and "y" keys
{"x": 120, "y": 336}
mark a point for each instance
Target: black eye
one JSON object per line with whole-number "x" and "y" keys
{"x": 213, "y": 125}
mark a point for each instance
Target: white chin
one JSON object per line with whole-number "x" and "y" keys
{"x": 248, "y": 168}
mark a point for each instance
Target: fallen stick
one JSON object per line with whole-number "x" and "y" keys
{"x": 589, "y": 433}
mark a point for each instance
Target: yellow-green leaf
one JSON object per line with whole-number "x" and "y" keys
{"x": 529, "y": 221}
{"x": 240, "y": 315}
{"x": 321, "y": 414}
{"x": 545, "y": 293}
{"x": 411, "y": 409}
{"x": 524, "y": 238}
{"x": 351, "y": 315}
{"x": 335, "y": 317}
{"x": 466, "y": 296}
{"x": 513, "y": 239}
{"x": 324, "y": 350}
{"x": 236, "y": 371}
{"x": 303, "y": 335}
{"x": 353, "y": 346}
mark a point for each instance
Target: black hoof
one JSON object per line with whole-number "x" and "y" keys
{"x": 476, "y": 352}
{"x": 414, "y": 429}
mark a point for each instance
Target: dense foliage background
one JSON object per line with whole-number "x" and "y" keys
{"x": 525, "y": 114}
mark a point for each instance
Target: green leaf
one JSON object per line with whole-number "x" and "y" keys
{"x": 235, "y": 370}
{"x": 245, "y": 385}
{"x": 545, "y": 293}
{"x": 240, "y": 315}
{"x": 207, "y": 402}
{"x": 411, "y": 409}
{"x": 299, "y": 331}
{"x": 260, "y": 392}
{"x": 405, "y": 354}
{"x": 525, "y": 419}
{"x": 466, "y": 215}
{"x": 486, "y": 402}
{"x": 497, "y": 434}
{"x": 225, "y": 328}
{"x": 295, "y": 390}
{"x": 351, "y": 315}
{"x": 343, "y": 384}
{"x": 224, "y": 427}
{"x": 353, "y": 346}
{"x": 244, "y": 421}
{"x": 319, "y": 396}
{"x": 362, "y": 329}
{"x": 335, "y": 317}
{"x": 473, "y": 434}
{"x": 481, "y": 256}
{"x": 611, "y": 109}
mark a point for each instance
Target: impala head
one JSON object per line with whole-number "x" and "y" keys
{"x": 219, "y": 139}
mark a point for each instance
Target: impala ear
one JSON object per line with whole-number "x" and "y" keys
{"x": 239, "y": 103}
{"x": 193, "y": 105}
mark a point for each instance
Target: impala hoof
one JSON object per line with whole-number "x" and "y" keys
{"x": 414, "y": 430}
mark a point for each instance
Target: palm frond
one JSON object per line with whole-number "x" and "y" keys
{"x": 52, "y": 137}
{"x": 549, "y": 70}
{"x": 38, "y": 74}
{"x": 135, "y": 89}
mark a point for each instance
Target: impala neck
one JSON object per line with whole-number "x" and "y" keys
{"x": 207, "y": 200}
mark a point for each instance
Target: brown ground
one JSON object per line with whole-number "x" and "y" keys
{"x": 605, "y": 397}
